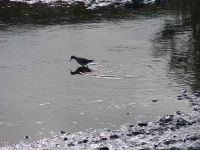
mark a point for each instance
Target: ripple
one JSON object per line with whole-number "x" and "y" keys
{"x": 107, "y": 77}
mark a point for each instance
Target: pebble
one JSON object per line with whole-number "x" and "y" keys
{"x": 103, "y": 139}
{"x": 154, "y": 100}
{"x": 114, "y": 136}
{"x": 70, "y": 144}
{"x": 142, "y": 124}
{"x": 103, "y": 148}
{"x": 62, "y": 132}
{"x": 85, "y": 141}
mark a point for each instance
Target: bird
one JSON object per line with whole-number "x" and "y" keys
{"x": 81, "y": 61}
{"x": 81, "y": 70}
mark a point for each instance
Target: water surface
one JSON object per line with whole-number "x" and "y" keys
{"x": 39, "y": 96}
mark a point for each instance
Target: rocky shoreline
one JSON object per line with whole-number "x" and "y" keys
{"x": 43, "y": 12}
{"x": 176, "y": 131}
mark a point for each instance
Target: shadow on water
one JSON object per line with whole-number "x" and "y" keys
{"x": 81, "y": 70}
{"x": 179, "y": 41}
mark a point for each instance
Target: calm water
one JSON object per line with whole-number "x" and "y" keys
{"x": 133, "y": 66}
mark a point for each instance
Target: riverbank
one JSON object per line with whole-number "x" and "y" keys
{"x": 63, "y": 12}
{"x": 176, "y": 131}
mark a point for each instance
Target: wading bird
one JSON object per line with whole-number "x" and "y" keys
{"x": 81, "y": 61}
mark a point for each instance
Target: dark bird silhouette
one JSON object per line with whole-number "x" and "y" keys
{"x": 81, "y": 61}
{"x": 81, "y": 70}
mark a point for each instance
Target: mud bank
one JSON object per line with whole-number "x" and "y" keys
{"x": 176, "y": 131}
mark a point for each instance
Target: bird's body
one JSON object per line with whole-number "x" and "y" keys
{"x": 81, "y": 61}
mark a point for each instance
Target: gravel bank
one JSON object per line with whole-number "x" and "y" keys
{"x": 176, "y": 131}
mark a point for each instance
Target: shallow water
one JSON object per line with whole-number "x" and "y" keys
{"x": 39, "y": 96}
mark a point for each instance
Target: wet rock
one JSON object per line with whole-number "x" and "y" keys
{"x": 96, "y": 142}
{"x": 169, "y": 142}
{"x": 173, "y": 128}
{"x": 178, "y": 112}
{"x": 142, "y": 124}
{"x": 114, "y": 137}
{"x": 179, "y": 97}
{"x": 103, "y": 148}
{"x": 143, "y": 143}
{"x": 103, "y": 139}
{"x": 196, "y": 109}
{"x": 197, "y": 94}
{"x": 174, "y": 148}
{"x": 131, "y": 126}
{"x": 154, "y": 100}
{"x": 85, "y": 141}
{"x": 129, "y": 134}
{"x": 181, "y": 122}
{"x": 185, "y": 93}
{"x": 71, "y": 144}
{"x": 138, "y": 132}
{"x": 166, "y": 120}
{"x": 193, "y": 138}
{"x": 155, "y": 146}
{"x": 62, "y": 132}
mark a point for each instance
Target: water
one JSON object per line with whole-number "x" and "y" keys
{"x": 132, "y": 68}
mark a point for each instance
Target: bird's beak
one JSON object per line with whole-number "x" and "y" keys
{"x": 72, "y": 73}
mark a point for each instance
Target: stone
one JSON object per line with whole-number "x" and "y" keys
{"x": 85, "y": 141}
{"x": 70, "y": 144}
{"x": 142, "y": 124}
{"x": 114, "y": 137}
{"x": 154, "y": 100}
{"x": 62, "y": 132}
{"x": 138, "y": 132}
{"x": 131, "y": 126}
{"x": 103, "y": 148}
{"x": 181, "y": 122}
{"x": 103, "y": 139}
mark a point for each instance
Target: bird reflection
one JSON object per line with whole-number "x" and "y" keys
{"x": 81, "y": 70}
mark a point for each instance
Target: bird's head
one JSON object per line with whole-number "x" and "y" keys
{"x": 72, "y": 57}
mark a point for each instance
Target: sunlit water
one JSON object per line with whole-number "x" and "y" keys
{"x": 127, "y": 82}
